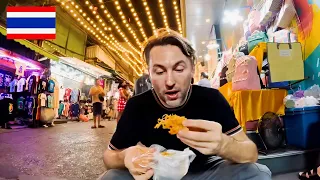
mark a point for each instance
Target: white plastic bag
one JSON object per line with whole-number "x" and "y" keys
{"x": 167, "y": 164}
{"x": 172, "y": 166}
{"x": 313, "y": 91}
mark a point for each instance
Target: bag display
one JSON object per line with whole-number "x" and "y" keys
{"x": 246, "y": 31}
{"x": 256, "y": 38}
{"x": 231, "y": 69}
{"x": 285, "y": 61}
{"x": 223, "y": 76}
{"x": 216, "y": 77}
{"x": 244, "y": 49}
{"x": 283, "y": 36}
{"x": 286, "y": 15}
{"x": 246, "y": 76}
{"x": 253, "y": 18}
{"x": 269, "y": 10}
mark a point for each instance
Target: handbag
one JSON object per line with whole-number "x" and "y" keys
{"x": 253, "y": 19}
{"x": 244, "y": 49}
{"x": 283, "y": 36}
{"x": 255, "y": 39}
{"x": 285, "y": 61}
{"x": 269, "y": 10}
{"x": 286, "y": 15}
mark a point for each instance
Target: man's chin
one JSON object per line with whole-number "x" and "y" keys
{"x": 174, "y": 103}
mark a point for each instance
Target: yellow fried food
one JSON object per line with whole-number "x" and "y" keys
{"x": 172, "y": 122}
{"x": 165, "y": 153}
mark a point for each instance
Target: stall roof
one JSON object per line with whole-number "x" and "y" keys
{"x": 88, "y": 68}
{"x": 31, "y": 45}
{"x": 16, "y": 57}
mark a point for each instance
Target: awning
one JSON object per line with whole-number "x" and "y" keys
{"x": 32, "y": 46}
{"x": 85, "y": 67}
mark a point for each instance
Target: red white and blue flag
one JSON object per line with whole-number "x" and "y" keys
{"x": 30, "y": 22}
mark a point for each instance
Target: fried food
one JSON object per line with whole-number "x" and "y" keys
{"x": 172, "y": 122}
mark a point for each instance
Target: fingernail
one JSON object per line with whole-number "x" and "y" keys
{"x": 184, "y": 122}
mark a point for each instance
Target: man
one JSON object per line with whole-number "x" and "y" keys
{"x": 97, "y": 94}
{"x": 204, "y": 82}
{"x": 142, "y": 84}
{"x": 171, "y": 66}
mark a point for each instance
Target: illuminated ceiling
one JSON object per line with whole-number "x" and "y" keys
{"x": 123, "y": 25}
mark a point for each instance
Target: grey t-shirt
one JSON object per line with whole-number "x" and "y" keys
{"x": 204, "y": 83}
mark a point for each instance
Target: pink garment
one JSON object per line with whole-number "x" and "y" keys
{"x": 246, "y": 76}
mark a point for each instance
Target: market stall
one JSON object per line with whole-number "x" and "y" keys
{"x": 75, "y": 78}
{"x": 19, "y": 79}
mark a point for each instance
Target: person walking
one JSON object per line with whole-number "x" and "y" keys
{"x": 123, "y": 98}
{"x": 97, "y": 94}
{"x": 142, "y": 84}
{"x": 204, "y": 82}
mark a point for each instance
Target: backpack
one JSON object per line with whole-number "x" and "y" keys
{"x": 245, "y": 76}
{"x": 256, "y": 38}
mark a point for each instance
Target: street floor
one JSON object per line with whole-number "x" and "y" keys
{"x": 67, "y": 151}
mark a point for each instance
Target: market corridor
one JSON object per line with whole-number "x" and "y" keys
{"x": 67, "y": 151}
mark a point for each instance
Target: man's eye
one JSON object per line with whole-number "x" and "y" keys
{"x": 179, "y": 69}
{"x": 159, "y": 72}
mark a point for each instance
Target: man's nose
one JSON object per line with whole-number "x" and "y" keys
{"x": 170, "y": 81}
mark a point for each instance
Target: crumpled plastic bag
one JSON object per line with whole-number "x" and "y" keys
{"x": 313, "y": 91}
{"x": 291, "y": 101}
{"x": 167, "y": 164}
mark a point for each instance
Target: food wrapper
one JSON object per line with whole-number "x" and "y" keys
{"x": 167, "y": 164}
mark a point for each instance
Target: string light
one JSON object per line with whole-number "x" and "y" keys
{"x": 177, "y": 13}
{"x": 163, "y": 13}
{"x": 125, "y": 22}
{"x": 49, "y": 44}
{"x": 150, "y": 20}
{"x": 136, "y": 18}
{"x": 116, "y": 43}
{"x": 114, "y": 23}
{"x": 91, "y": 30}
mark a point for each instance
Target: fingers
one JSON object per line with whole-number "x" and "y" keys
{"x": 195, "y": 136}
{"x": 195, "y": 144}
{"x": 144, "y": 176}
{"x": 202, "y": 124}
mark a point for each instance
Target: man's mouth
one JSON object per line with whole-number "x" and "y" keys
{"x": 172, "y": 95}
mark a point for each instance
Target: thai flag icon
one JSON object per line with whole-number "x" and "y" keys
{"x": 30, "y": 22}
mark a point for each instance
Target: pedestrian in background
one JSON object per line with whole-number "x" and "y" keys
{"x": 97, "y": 94}
{"x": 123, "y": 98}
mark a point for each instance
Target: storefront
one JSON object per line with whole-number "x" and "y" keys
{"x": 75, "y": 78}
{"x": 19, "y": 79}
{"x": 270, "y": 68}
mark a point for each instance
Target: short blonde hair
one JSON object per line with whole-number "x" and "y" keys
{"x": 163, "y": 37}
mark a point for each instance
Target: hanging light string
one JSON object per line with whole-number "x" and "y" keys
{"x": 125, "y": 22}
{"x": 150, "y": 19}
{"x": 90, "y": 29}
{"x": 177, "y": 13}
{"x": 136, "y": 18}
{"x": 163, "y": 14}
{"x": 114, "y": 24}
{"x": 117, "y": 45}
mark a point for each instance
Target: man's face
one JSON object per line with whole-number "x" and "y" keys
{"x": 170, "y": 73}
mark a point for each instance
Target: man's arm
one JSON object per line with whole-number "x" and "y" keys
{"x": 238, "y": 148}
{"x": 114, "y": 159}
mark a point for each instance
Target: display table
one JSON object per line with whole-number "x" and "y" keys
{"x": 251, "y": 105}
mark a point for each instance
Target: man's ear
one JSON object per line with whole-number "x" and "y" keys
{"x": 193, "y": 70}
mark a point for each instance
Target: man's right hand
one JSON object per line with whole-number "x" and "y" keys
{"x": 139, "y": 166}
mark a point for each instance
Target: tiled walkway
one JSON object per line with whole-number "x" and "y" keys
{"x": 68, "y": 151}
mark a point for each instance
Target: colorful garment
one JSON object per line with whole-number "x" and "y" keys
{"x": 122, "y": 101}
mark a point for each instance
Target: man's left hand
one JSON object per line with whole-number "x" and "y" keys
{"x": 209, "y": 141}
